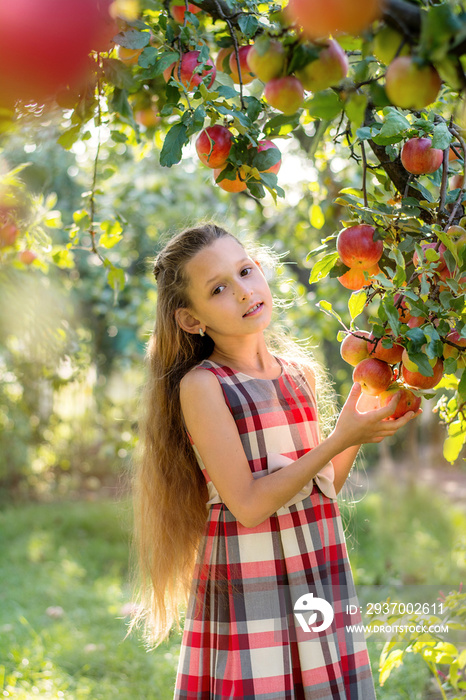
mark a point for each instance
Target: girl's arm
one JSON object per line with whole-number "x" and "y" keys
{"x": 343, "y": 462}
{"x": 214, "y": 432}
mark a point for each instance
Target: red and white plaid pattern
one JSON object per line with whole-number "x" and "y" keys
{"x": 241, "y": 638}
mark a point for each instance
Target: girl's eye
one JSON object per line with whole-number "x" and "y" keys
{"x": 247, "y": 270}
{"x": 218, "y": 289}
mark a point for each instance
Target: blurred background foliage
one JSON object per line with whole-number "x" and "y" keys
{"x": 71, "y": 350}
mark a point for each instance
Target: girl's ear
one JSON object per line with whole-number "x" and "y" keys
{"x": 187, "y": 321}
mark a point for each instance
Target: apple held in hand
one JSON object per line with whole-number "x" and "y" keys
{"x": 411, "y": 86}
{"x": 373, "y": 375}
{"x": 319, "y": 19}
{"x": 357, "y": 248}
{"x": 246, "y": 75}
{"x": 419, "y": 158}
{"x": 213, "y": 145}
{"x": 285, "y": 94}
{"x": 328, "y": 69}
{"x": 354, "y": 349}
{"x": 407, "y": 401}
{"x": 419, "y": 381}
{"x": 266, "y": 59}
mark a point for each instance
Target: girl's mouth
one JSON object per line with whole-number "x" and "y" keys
{"x": 255, "y": 309}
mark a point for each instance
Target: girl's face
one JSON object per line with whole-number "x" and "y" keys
{"x": 228, "y": 291}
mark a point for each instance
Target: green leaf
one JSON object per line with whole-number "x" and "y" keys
{"x": 356, "y": 303}
{"x": 441, "y": 137}
{"x": 69, "y": 137}
{"x": 228, "y": 92}
{"x": 148, "y": 57}
{"x": 119, "y": 103}
{"x": 322, "y": 267}
{"x": 172, "y": 148}
{"x": 248, "y": 24}
{"x": 132, "y": 39}
{"x": 266, "y": 159}
{"x": 329, "y": 310}
{"x": 355, "y": 108}
{"x": 253, "y": 107}
{"x": 281, "y": 125}
{"x": 116, "y": 73}
{"x": 395, "y": 124}
{"x": 112, "y": 235}
{"x": 324, "y": 105}
{"x": 63, "y": 258}
{"x": 302, "y": 55}
{"x": 453, "y": 446}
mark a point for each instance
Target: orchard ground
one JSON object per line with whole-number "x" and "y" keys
{"x": 65, "y": 593}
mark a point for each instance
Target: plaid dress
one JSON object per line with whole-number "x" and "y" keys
{"x": 257, "y": 624}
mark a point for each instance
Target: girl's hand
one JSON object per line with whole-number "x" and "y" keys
{"x": 361, "y": 421}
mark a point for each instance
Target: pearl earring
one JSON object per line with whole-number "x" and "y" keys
{"x": 201, "y": 332}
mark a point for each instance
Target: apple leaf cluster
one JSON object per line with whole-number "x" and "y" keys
{"x": 386, "y": 87}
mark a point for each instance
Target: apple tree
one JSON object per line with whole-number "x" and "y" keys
{"x": 377, "y": 83}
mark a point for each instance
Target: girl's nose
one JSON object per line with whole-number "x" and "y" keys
{"x": 243, "y": 292}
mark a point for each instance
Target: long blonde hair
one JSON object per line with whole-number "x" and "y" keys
{"x": 169, "y": 489}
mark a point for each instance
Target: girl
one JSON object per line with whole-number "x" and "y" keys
{"x": 236, "y": 493}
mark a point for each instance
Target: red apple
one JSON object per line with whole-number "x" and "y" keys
{"x": 441, "y": 264}
{"x": 177, "y": 10}
{"x": 187, "y": 75}
{"x": 213, "y": 145}
{"x": 416, "y": 321}
{"x": 328, "y": 69}
{"x": 246, "y": 75}
{"x": 285, "y": 94}
{"x": 319, "y": 19}
{"x": 411, "y": 86}
{"x": 265, "y": 145}
{"x": 357, "y": 248}
{"x": 353, "y": 349}
{"x": 407, "y": 401}
{"x": 450, "y": 351}
{"x": 27, "y": 257}
{"x": 44, "y": 45}
{"x": 236, "y": 185}
{"x": 457, "y": 181}
{"x": 390, "y": 355}
{"x": 8, "y": 234}
{"x": 266, "y": 59}
{"x": 419, "y": 381}
{"x": 222, "y": 62}
{"x": 355, "y": 279}
{"x": 419, "y": 158}
{"x": 373, "y": 375}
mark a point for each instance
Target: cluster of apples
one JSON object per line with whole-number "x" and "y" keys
{"x": 374, "y": 370}
{"x": 213, "y": 146}
{"x": 361, "y": 253}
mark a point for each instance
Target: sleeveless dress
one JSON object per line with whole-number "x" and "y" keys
{"x": 272, "y": 607}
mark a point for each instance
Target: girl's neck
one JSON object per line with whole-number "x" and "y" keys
{"x": 258, "y": 361}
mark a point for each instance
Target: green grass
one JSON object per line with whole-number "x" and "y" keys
{"x": 75, "y": 556}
